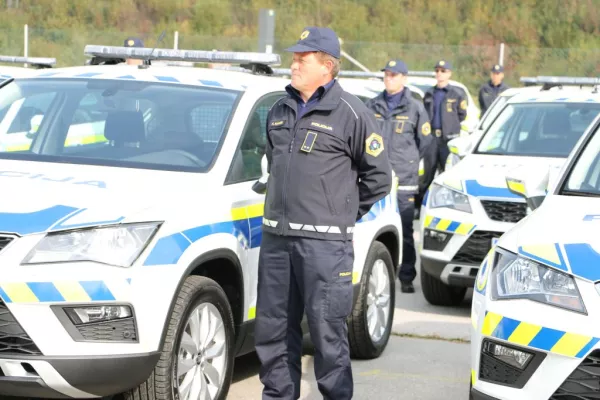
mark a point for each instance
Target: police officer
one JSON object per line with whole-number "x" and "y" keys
{"x": 133, "y": 42}
{"x": 327, "y": 167}
{"x": 446, "y": 106}
{"x": 405, "y": 126}
{"x": 492, "y": 88}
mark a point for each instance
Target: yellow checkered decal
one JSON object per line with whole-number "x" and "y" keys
{"x": 536, "y": 336}
{"x": 440, "y": 224}
{"x": 56, "y": 292}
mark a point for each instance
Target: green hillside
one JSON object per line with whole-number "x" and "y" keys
{"x": 543, "y": 37}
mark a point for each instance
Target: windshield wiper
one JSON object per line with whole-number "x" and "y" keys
{"x": 580, "y": 193}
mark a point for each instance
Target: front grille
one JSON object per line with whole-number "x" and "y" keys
{"x": 583, "y": 383}
{"x": 13, "y": 339}
{"x": 496, "y": 371}
{"x": 505, "y": 211}
{"x": 110, "y": 331}
{"x": 476, "y": 247}
{"x": 5, "y": 241}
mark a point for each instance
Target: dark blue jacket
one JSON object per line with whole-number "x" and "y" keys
{"x": 326, "y": 169}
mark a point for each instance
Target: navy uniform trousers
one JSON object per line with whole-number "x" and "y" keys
{"x": 297, "y": 275}
{"x": 406, "y": 205}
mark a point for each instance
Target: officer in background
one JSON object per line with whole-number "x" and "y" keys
{"x": 133, "y": 42}
{"x": 405, "y": 126}
{"x": 492, "y": 88}
{"x": 327, "y": 167}
{"x": 446, "y": 106}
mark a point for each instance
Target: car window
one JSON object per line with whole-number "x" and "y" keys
{"x": 119, "y": 122}
{"x": 584, "y": 176}
{"x": 492, "y": 112}
{"x": 246, "y": 163}
{"x": 538, "y": 129}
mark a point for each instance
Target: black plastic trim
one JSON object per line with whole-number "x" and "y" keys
{"x": 74, "y": 332}
{"x": 206, "y": 257}
{"x": 433, "y": 267}
{"x": 97, "y": 375}
{"x": 389, "y": 229}
{"x": 477, "y": 395}
{"x": 526, "y": 374}
{"x": 246, "y": 331}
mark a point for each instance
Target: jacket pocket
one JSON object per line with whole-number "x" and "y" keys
{"x": 332, "y": 209}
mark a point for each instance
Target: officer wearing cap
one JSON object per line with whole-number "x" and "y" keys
{"x": 405, "y": 126}
{"x": 446, "y": 106}
{"x": 492, "y": 88}
{"x": 327, "y": 166}
{"x": 133, "y": 42}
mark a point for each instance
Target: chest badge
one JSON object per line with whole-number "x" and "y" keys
{"x": 309, "y": 141}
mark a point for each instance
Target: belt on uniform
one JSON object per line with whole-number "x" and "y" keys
{"x": 309, "y": 228}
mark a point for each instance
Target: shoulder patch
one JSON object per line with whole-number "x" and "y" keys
{"x": 374, "y": 144}
{"x": 426, "y": 129}
{"x": 463, "y": 104}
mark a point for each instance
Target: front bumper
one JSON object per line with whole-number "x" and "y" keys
{"x": 74, "y": 377}
{"x": 455, "y": 243}
{"x": 476, "y": 395}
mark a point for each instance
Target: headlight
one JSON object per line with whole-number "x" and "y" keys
{"x": 519, "y": 278}
{"x": 442, "y": 196}
{"x": 114, "y": 245}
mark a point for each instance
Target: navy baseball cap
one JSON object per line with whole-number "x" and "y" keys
{"x": 396, "y": 66}
{"x": 133, "y": 42}
{"x": 314, "y": 38}
{"x": 443, "y": 64}
{"x": 497, "y": 68}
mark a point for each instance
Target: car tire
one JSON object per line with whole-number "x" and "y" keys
{"x": 204, "y": 295}
{"x": 438, "y": 293}
{"x": 365, "y": 344}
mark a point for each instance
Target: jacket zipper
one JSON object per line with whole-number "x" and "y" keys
{"x": 285, "y": 177}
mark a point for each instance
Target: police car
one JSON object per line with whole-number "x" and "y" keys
{"x": 469, "y": 206}
{"x": 425, "y": 80}
{"x": 129, "y": 265}
{"x": 534, "y": 334}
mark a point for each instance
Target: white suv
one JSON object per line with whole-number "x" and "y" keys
{"x": 129, "y": 264}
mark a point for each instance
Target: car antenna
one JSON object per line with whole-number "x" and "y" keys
{"x": 146, "y": 63}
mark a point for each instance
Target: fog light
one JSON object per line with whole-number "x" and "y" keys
{"x": 516, "y": 358}
{"x": 86, "y": 315}
{"x": 435, "y": 240}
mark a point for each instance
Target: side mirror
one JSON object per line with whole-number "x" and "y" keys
{"x": 528, "y": 183}
{"x": 260, "y": 186}
{"x": 461, "y": 146}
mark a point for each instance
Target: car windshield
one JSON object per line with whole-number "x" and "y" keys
{"x": 121, "y": 122}
{"x": 584, "y": 177}
{"x": 492, "y": 112}
{"x": 538, "y": 129}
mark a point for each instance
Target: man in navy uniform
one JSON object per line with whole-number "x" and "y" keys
{"x": 492, "y": 88}
{"x": 405, "y": 126}
{"x": 446, "y": 106}
{"x": 327, "y": 167}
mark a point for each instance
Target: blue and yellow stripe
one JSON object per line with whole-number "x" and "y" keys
{"x": 446, "y": 225}
{"x": 536, "y": 336}
{"x": 59, "y": 291}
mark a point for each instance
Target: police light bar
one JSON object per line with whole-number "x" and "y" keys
{"x": 36, "y": 61}
{"x": 560, "y": 80}
{"x": 355, "y": 74}
{"x": 196, "y": 56}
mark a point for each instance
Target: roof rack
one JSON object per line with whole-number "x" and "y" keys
{"x": 255, "y": 62}
{"x": 549, "y": 82}
{"x": 36, "y": 62}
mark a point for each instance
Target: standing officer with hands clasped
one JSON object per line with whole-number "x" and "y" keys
{"x": 405, "y": 127}
{"x": 327, "y": 167}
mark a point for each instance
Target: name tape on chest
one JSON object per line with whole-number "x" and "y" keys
{"x": 322, "y": 126}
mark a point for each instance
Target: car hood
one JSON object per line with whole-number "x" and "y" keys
{"x": 41, "y": 197}
{"x": 562, "y": 233}
{"x": 485, "y": 175}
